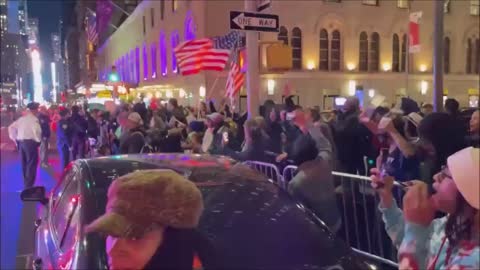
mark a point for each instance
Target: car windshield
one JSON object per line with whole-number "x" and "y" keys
{"x": 252, "y": 223}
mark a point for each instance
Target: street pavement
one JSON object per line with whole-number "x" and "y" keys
{"x": 17, "y": 218}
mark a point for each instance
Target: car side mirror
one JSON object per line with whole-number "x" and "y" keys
{"x": 34, "y": 194}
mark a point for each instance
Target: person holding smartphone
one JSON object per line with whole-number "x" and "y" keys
{"x": 423, "y": 242}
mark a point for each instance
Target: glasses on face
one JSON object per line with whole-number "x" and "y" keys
{"x": 445, "y": 173}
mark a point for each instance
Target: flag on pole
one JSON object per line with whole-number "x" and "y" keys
{"x": 92, "y": 33}
{"x": 414, "y": 32}
{"x": 263, "y": 4}
{"x": 196, "y": 55}
{"x": 235, "y": 80}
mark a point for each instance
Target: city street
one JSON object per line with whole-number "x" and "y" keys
{"x": 17, "y": 218}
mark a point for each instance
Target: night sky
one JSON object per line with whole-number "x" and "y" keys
{"x": 48, "y": 14}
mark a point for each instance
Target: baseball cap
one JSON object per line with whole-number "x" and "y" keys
{"x": 144, "y": 199}
{"x": 464, "y": 167}
{"x": 215, "y": 117}
{"x": 136, "y": 118}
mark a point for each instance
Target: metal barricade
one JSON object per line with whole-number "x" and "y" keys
{"x": 269, "y": 170}
{"x": 289, "y": 172}
{"x": 362, "y": 224}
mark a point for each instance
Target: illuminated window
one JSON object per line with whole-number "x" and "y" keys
{"x": 174, "y": 42}
{"x": 374, "y": 58}
{"x": 475, "y": 7}
{"x": 174, "y": 5}
{"x": 363, "y": 53}
{"x": 163, "y": 54}
{"x": 323, "y": 50}
{"x": 335, "y": 51}
{"x": 395, "y": 54}
{"x": 153, "y": 56}
{"x": 283, "y": 35}
{"x": 145, "y": 63}
{"x": 370, "y": 2}
{"x": 296, "y": 42}
{"x": 402, "y": 3}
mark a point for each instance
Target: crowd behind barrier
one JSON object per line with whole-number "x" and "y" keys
{"x": 362, "y": 227}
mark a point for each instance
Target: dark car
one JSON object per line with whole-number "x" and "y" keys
{"x": 249, "y": 220}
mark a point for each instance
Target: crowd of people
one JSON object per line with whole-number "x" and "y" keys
{"x": 407, "y": 141}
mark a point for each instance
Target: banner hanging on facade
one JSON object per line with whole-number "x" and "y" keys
{"x": 414, "y": 32}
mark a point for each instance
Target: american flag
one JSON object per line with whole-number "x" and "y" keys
{"x": 92, "y": 33}
{"x": 235, "y": 80}
{"x": 196, "y": 55}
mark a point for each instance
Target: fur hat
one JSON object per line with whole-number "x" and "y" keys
{"x": 465, "y": 166}
{"x": 144, "y": 199}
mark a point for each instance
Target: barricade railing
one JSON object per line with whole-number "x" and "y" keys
{"x": 362, "y": 225}
{"x": 269, "y": 170}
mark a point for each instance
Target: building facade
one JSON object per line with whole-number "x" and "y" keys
{"x": 32, "y": 31}
{"x": 339, "y": 48}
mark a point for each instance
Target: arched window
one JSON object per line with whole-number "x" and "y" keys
{"x": 395, "y": 54}
{"x": 335, "y": 51}
{"x": 296, "y": 42}
{"x": 137, "y": 64}
{"x": 175, "y": 40}
{"x": 153, "y": 56}
{"x": 374, "y": 58}
{"x": 477, "y": 57}
{"x": 468, "y": 68}
{"x": 283, "y": 35}
{"x": 404, "y": 53}
{"x": 446, "y": 55}
{"x": 323, "y": 50}
{"x": 363, "y": 52}
{"x": 163, "y": 54}
{"x": 190, "y": 27}
{"x": 145, "y": 63}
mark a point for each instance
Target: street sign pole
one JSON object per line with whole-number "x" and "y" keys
{"x": 253, "y": 77}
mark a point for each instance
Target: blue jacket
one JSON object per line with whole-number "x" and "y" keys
{"x": 64, "y": 132}
{"x": 422, "y": 247}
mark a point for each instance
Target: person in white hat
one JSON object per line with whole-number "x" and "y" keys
{"x": 451, "y": 242}
{"x": 133, "y": 140}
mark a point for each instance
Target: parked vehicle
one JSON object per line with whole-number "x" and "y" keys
{"x": 251, "y": 222}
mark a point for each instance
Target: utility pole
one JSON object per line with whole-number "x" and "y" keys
{"x": 438, "y": 58}
{"x": 253, "y": 77}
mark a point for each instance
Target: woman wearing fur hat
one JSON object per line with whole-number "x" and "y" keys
{"x": 150, "y": 223}
{"x": 451, "y": 242}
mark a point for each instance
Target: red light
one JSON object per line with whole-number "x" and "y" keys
{"x": 74, "y": 199}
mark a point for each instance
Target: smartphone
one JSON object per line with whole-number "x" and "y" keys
{"x": 225, "y": 136}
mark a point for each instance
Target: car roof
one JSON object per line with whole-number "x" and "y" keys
{"x": 250, "y": 220}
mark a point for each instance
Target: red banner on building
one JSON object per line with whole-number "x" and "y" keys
{"x": 414, "y": 32}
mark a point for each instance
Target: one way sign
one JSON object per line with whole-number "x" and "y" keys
{"x": 240, "y": 20}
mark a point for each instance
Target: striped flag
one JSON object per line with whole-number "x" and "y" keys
{"x": 235, "y": 80}
{"x": 92, "y": 33}
{"x": 196, "y": 55}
